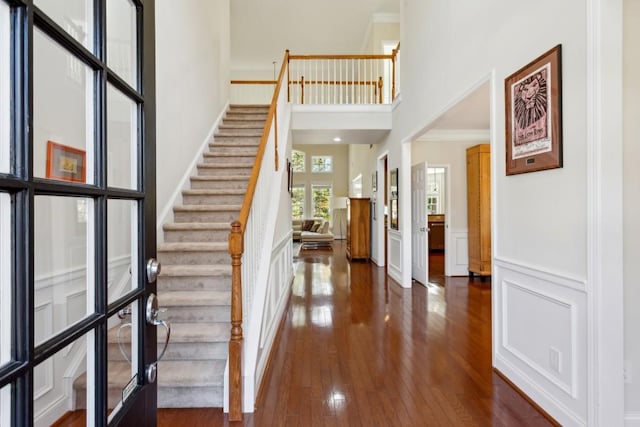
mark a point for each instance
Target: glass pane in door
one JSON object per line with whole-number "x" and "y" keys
{"x": 122, "y": 367}
{"x": 122, "y": 140}
{"x": 5, "y": 278}
{"x": 5, "y": 79}
{"x": 63, "y": 88}
{"x": 122, "y": 247}
{"x": 5, "y": 405}
{"x": 64, "y": 382}
{"x": 122, "y": 44}
{"x": 74, "y": 16}
{"x": 63, "y": 258}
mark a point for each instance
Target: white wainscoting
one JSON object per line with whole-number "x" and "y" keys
{"x": 278, "y": 291}
{"x": 61, "y": 300}
{"x": 395, "y": 255}
{"x": 526, "y": 352}
{"x": 632, "y": 419}
{"x": 457, "y": 253}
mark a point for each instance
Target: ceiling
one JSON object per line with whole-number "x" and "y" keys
{"x": 347, "y": 136}
{"x": 471, "y": 113}
{"x": 261, "y": 30}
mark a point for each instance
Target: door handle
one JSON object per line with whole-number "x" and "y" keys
{"x": 151, "y": 314}
{"x": 153, "y": 269}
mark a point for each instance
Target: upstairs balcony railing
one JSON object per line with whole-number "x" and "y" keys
{"x": 329, "y": 79}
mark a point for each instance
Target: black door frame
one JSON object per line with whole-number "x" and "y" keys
{"x": 23, "y": 187}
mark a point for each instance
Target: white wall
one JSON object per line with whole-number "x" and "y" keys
{"x": 631, "y": 205}
{"x": 542, "y": 281}
{"x": 192, "y": 80}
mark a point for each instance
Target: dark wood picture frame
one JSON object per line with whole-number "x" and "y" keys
{"x": 533, "y": 115}
{"x": 66, "y": 163}
{"x": 289, "y": 177}
{"x": 393, "y": 183}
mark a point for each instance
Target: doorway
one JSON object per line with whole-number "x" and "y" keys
{"x": 77, "y": 211}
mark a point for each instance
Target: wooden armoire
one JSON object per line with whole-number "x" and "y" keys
{"x": 358, "y": 232}
{"x": 479, "y": 209}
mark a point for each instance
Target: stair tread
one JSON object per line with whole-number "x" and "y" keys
{"x": 210, "y": 154}
{"x": 214, "y": 192}
{"x": 220, "y": 178}
{"x": 196, "y": 298}
{"x": 202, "y": 226}
{"x": 171, "y": 373}
{"x": 225, "y": 165}
{"x": 232, "y": 106}
{"x": 195, "y": 270}
{"x": 192, "y": 246}
{"x": 206, "y": 208}
{"x": 209, "y": 332}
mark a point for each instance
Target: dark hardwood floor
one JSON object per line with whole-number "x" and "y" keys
{"x": 356, "y": 349}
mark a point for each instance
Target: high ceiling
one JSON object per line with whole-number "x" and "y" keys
{"x": 261, "y": 30}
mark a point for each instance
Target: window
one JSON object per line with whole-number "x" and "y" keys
{"x": 321, "y": 197}
{"x": 298, "y": 161}
{"x": 5, "y": 88}
{"x": 322, "y": 164}
{"x": 297, "y": 201}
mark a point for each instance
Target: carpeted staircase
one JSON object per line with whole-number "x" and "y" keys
{"x": 195, "y": 283}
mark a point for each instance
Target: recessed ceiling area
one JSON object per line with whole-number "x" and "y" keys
{"x": 348, "y": 136}
{"x": 470, "y": 114}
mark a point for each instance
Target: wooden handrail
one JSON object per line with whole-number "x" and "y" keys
{"x": 310, "y": 57}
{"x": 236, "y": 249}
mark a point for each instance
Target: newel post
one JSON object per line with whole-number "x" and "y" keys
{"x": 288, "y": 78}
{"x": 236, "y": 248}
{"x": 393, "y": 75}
{"x": 380, "y": 90}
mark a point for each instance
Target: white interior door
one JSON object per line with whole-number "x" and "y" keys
{"x": 419, "y": 233}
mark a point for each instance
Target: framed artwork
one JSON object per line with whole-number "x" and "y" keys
{"x": 66, "y": 163}
{"x": 394, "y": 214}
{"x": 393, "y": 183}
{"x": 374, "y": 182}
{"x": 533, "y": 115}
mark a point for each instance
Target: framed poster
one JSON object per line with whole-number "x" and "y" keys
{"x": 533, "y": 115}
{"x": 65, "y": 163}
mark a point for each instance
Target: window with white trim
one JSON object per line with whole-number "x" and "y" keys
{"x": 321, "y": 199}
{"x": 297, "y": 201}
{"x": 298, "y": 159}
{"x": 322, "y": 164}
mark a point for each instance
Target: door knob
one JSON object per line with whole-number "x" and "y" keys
{"x": 153, "y": 269}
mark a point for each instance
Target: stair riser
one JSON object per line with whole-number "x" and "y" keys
{"x": 213, "y": 159}
{"x": 240, "y": 111}
{"x": 208, "y": 216}
{"x": 196, "y": 236}
{"x": 190, "y": 397}
{"x": 193, "y": 257}
{"x": 243, "y": 124}
{"x": 217, "y": 199}
{"x": 195, "y": 283}
{"x": 181, "y": 351}
{"x": 219, "y": 184}
{"x": 248, "y": 150}
{"x": 220, "y": 171}
{"x": 253, "y": 140}
{"x": 168, "y": 397}
{"x": 193, "y": 314}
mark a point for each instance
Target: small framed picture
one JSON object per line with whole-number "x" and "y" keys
{"x": 533, "y": 116}
{"x": 289, "y": 176}
{"x": 66, "y": 163}
{"x": 393, "y": 183}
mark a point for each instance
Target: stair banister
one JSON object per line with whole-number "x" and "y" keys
{"x": 236, "y": 250}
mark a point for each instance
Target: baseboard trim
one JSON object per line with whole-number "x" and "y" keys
{"x": 632, "y": 419}
{"x": 527, "y": 398}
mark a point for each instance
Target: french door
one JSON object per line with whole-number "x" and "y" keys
{"x": 77, "y": 212}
